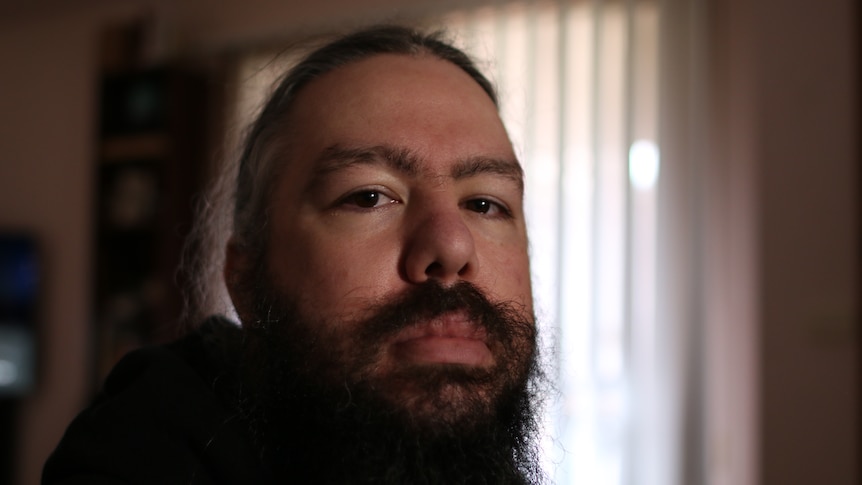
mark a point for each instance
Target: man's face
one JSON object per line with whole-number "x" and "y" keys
{"x": 398, "y": 172}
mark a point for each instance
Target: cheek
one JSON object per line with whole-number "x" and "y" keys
{"x": 330, "y": 274}
{"x": 506, "y": 273}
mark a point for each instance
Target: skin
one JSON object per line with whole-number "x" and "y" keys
{"x": 399, "y": 170}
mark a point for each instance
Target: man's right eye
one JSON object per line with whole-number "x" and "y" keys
{"x": 367, "y": 199}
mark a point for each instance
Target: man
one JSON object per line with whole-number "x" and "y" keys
{"x": 379, "y": 268}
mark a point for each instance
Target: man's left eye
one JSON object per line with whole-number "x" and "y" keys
{"x": 485, "y": 206}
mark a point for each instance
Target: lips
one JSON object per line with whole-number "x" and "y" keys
{"x": 451, "y": 338}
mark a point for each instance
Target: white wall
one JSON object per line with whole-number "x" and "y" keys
{"x": 809, "y": 156}
{"x": 47, "y": 101}
{"x": 784, "y": 245}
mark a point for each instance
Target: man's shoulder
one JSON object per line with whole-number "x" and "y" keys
{"x": 181, "y": 383}
{"x": 166, "y": 414}
{"x": 202, "y": 362}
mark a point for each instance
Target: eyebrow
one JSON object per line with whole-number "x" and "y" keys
{"x": 474, "y": 166}
{"x": 338, "y": 157}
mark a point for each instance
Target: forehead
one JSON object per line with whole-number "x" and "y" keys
{"x": 420, "y": 103}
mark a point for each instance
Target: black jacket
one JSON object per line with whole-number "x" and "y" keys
{"x": 166, "y": 415}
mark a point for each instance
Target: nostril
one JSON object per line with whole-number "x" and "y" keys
{"x": 438, "y": 270}
{"x": 434, "y": 269}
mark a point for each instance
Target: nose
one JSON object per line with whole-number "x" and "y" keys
{"x": 440, "y": 246}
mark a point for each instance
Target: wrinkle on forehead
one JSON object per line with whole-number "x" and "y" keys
{"x": 403, "y": 160}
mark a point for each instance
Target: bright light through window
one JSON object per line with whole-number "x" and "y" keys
{"x": 643, "y": 164}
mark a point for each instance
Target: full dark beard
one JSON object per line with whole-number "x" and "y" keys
{"x": 323, "y": 409}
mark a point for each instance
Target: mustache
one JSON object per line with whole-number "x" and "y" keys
{"x": 431, "y": 299}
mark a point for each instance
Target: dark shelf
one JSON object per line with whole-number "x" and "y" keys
{"x": 151, "y": 147}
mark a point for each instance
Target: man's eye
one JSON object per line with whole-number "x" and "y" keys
{"x": 367, "y": 199}
{"x": 485, "y": 206}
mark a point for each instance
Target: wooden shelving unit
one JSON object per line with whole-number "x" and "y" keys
{"x": 151, "y": 146}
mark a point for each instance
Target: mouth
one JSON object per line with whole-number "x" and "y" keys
{"x": 451, "y": 338}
